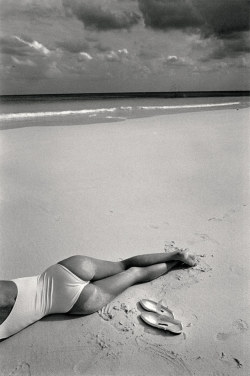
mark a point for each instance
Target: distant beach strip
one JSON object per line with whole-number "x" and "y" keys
{"x": 50, "y": 110}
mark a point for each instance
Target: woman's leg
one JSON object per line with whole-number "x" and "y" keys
{"x": 99, "y": 293}
{"x": 157, "y": 258}
{"x": 91, "y": 269}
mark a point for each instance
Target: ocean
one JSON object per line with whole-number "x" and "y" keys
{"x": 79, "y": 109}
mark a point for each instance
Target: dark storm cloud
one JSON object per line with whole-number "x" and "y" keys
{"x": 171, "y": 14}
{"x": 97, "y": 17}
{"x": 224, "y": 17}
{"x": 73, "y": 46}
{"x": 214, "y": 17}
{"x": 229, "y": 48}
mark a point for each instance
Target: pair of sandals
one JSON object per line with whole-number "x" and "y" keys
{"x": 159, "y": 316}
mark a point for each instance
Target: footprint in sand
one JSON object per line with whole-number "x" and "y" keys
{"x": 239, "y": 326}
{"x": 82, "y": 367}
{"x": 22, "y": 369}
{"x": 206, "y": 237}
{"x": 106, "y": 313}
{"x": 174, "y": 362}
{"x": 228, "y": 215}
{"x": 230, "y": 360}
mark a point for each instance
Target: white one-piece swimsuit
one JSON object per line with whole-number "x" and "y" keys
{"x": 56, "y": 290}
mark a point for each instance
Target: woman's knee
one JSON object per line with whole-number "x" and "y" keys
{"x": 136, "y": 272}
{"x": 148, "y": 273}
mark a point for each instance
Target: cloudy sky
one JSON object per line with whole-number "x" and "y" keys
{"x": 60, "y": 46}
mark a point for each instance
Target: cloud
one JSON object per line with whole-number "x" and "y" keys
{"x": 171, "y": 14}
{"x": 23, "y": 62}
{"x": 221, "y": 49}
{"x": 114, "y": 56}
{"x": 148, "y": 53}
{"x": 52, "y": 70}
{"x": 25, "y": 68}
{"x": 32, "y": 9}
{"x": 210, "y": 68}
{"x": 27, "y": 59}
{"x": 243, "y": 63}
{"x": 102, "y": 47}
{"x": 15, "y": 45}
{"x": 85, "y": 56}
{"x": 34, "y": 45}
{"x": 96, "y": 15}
{"x": 12, "y": 46}
{"x": 123, "y": 51}
{"x": 175, "y": 61}
{"x": 214, "y": 17}
{"x": 228, "y": 49}
{"x": 223, "y": 18}
{"x": 172, "y": 60}
{"x": 224, "y": 22}
{"x": 73, "y": 46}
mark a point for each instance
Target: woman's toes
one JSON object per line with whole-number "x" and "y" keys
{"x": 193, "y": 261}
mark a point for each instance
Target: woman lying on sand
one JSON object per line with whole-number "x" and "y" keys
{"x": 78, "y": 285}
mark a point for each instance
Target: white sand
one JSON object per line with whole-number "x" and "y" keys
{"x": 115, "y": 190}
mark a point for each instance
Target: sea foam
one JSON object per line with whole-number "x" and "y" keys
{"x": 121, "y": 109}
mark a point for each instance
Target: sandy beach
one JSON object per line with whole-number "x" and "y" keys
{"x": 118, "y": 189}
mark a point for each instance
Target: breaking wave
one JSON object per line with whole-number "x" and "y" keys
{"x": 118, "y": 110}
{"x": 188, "y": 106}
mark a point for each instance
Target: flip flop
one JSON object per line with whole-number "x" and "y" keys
{"x": 150, "y": 305}
{"x": 162, "y": 322}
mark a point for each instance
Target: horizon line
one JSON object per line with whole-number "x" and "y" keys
{"x": 169, "y": 94}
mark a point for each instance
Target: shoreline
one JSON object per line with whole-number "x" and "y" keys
{"x": 93, "y": 119}
{"x": 115, "y": 190}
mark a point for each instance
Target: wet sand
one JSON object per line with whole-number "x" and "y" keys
{"x": 114, "y": 190}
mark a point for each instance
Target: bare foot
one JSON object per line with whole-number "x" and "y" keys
{"x": 186, "y": 258}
